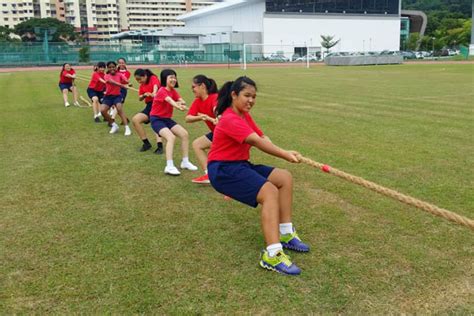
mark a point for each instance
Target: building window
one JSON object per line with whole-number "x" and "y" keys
{"x": 334, "y": 6}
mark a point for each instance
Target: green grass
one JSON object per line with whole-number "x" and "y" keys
{"x": 90, "y": 225}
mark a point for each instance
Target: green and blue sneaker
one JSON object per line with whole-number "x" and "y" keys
{"x": 281, "y": 263}
{"x": 293, "y": 242}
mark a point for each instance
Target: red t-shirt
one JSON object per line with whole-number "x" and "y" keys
{"x": 205, "y": 107}
{"x": 64, "y": 79}
{"x": 110, "y": 88}
{"x": 229, "y": 136}
{"x": 148, "y": 87}
{"x": 95, "y": 83}
{"x": 125, "y": 73}
{"x": 162, "y": 108}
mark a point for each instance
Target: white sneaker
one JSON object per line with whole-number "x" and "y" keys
{"x": 66, "y": 104}
{"x": 114, "y": 128}
{"x": 172, "y": 171}
{"x": 76, "y": 103}
{"x": 128, "y": 131}
{"x": 188, "y": 165}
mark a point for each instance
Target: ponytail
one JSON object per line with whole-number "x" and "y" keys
{"x": 224, "y": 99}
{"x": 210, "y": 84}
{"x": 144, "y": 72}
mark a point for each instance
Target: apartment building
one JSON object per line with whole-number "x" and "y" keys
{"x": 14, "y": 12}
{"x": 99, "y": 19}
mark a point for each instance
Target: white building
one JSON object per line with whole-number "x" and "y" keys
{"x": 360, "y": 25}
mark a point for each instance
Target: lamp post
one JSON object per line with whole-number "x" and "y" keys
{"x": 432, "y": 45}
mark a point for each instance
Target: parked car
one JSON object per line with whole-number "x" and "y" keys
{"x": 278, "y": 57}
{"x": 408, "y": 55}
{"x": 304, "y": 58}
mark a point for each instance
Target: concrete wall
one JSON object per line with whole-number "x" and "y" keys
{"x": 356, "y": 33}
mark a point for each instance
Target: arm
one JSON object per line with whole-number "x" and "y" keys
{"x": 177, "y": 104}
{"x": 70, "y": 76}
{"x": 266, "y": 146}
{"x": 117, "y": 84}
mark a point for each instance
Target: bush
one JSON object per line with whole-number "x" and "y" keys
{"x": 84, "y": 54}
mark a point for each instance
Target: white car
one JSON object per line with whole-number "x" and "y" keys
{"x": 304, "y": 58}
{"x": 278, "y": 57}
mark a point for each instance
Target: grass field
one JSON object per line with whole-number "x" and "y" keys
{"x": 90, "y": 225}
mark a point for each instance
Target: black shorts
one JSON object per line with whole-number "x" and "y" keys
{"x": 147, "y": 110}
{"x": 94, "y": 93}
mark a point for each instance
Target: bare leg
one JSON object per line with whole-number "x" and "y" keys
{"x": 168, "y": 135}
{"x": 268, "y": 197}
{"x": 121, "y": 113}
{"x": 65, "y": 92}
{"x": 95, "y": 105}
{"x": 179, "y": 131}
{"x": 104, "y": 109}
{"x": 74, "y": 93}
{"x": 200, "y": 145}
{"x": 137, "y": 121}
{"x": 283, "y": 181}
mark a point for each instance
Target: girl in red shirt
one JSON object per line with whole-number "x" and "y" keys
{"x": 149, "y": 85}
{"x": 96, "y": 89}
{"x": 66, "y": 83}
{"x": 202, "y": 109}
{"x": 233, "y": 175}
{"x": 161, "y": 112}
{"x": 114, "y": 81}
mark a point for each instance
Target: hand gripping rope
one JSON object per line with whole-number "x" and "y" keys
{"x": 433, "y": 209}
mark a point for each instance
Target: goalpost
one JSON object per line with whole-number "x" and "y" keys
{"x": 279, "y": 53}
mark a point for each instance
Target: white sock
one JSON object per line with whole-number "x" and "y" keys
{"x": 114, "y": 124}
{"x": 205, "y": 171}
{"x": 286, "y": 228}
{"x": 273, "y": 249}
{"x": 186, "y": 159}
{"x": 169, "y": 163}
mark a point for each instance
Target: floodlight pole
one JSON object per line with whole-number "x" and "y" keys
{"x": 46, "y": 45}
{"x": 245, "y": 56}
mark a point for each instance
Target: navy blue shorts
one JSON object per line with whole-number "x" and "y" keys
{"x": 158, "y": 123}
{"x": 111, "y": 100}
{"x": 123, "y": 94}
{"x": 94, "y": 93}
{"x": 147, "y": 109}
{"x": 241, "y": 180}
{"x": 210, "y": 136}
{"x": 67, "y": 86}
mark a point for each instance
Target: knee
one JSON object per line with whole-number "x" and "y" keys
{"x": 269, "y": 193}
{"x": 171, "y": 138}
{"x": 195, "y": 145}
{"x": 287, "y": 177}
{"x": 185, "y": 134}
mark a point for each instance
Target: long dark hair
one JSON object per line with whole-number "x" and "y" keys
{"x": 224, "y": 99}
{"x": 144, "y": 72}
{"x": 62, "y": 69}
{"x": 210, "y": 84}
{"x": 100, "y": 64}
{"x": 164, "y": 74}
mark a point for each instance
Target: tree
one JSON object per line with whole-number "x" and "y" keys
{"x": 328, "y": 43}
{"x": 5, "y": 35}
{"x": 64, "y": 31}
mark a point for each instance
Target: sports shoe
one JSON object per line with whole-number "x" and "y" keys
{"x": 202, "y": 179}
{"x": 114, "y": 128}
{"x": 173, "y": 171}
{"x": 97, "y": 119}
{"x": 188, "y": 165}
{"x": 66, "y": 104}
{"x": 281, "y": 263}
{"x": 76, "y": 103}
{"x": 293, "y": 242}
{"x": 145, "y": 147}
{"x": 128, "y": 131}
{"x": 159, "y": 151}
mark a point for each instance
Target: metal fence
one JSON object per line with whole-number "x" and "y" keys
{"x": 24, "y": 54}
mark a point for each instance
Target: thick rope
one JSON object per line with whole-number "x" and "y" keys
{"x": 87, "y": 79}
{"x": 433, "y": 209}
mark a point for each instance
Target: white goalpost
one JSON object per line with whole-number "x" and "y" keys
{"x": 279, "y": 53}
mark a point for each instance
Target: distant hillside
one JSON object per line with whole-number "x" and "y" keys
{"x": 448, "y": 8}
